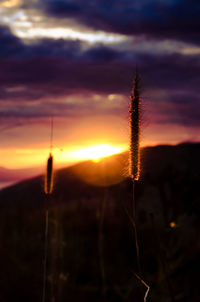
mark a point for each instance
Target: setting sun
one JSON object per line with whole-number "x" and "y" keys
{"x": 95, "y": 153}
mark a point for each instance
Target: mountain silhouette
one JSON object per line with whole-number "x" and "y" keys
{"x": 91, "y": 252}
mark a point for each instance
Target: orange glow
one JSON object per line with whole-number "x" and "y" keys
{"x": 35, "y": 157}
{"x": 172, "y": 224}
{"x": 107, "y": 172}
{"x": 95, "y": 153}
{"x": 11, "y": 3}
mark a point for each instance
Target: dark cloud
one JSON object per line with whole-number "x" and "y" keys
{"x": 177, "y": 108}
{"x": 158, "y": 19}
{"x": 102, "y": 54}
{"x": 59, "y": 68}
{"x": 10, "y": 45}
{"x": 63, "y": 7}
{"x": 54, "y": 67}
{"x": 13, "y": 47}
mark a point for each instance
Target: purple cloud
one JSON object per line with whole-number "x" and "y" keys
{"x": 177, "y": 20}
{"x": 60, "y": 68}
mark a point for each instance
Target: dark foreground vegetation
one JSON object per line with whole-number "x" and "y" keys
{"x": 91, "y": 254}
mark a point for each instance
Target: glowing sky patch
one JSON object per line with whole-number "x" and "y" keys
{"x": 66, "y": 33}
{"x": 10, "y": 3}
{"x": 27, "y": 26}
{"x": 85, "y": 83}
{"x": 95, "y": 152}
{"x": 36, "y": 157}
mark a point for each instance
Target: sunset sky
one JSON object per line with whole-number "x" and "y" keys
{"x": 75, "y": 60}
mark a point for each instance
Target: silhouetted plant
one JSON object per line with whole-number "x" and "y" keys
{"x": 48, "y": 190}
{"x": 49, "y": 175}
{"x": 134, "y": 162}
{"x": 134, "y": 129}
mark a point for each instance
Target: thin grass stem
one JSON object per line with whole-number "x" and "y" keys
{"x": 45, "y": 254}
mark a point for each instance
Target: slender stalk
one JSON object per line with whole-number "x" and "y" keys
{"x": 45, "y": 254}
{"x": 48, "y": 190}
{"x": 54, "y": 255}
{"x": 134, "y": 163}
{"x": 101, "y": 246}
{"x": 135, "y": 231}
{"x": 134, "y": 152}
{"x": 51, "y": 135}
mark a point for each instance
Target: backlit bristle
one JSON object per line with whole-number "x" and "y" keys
{"x": 134, "y": 131}
{"x": 49, "y": 175}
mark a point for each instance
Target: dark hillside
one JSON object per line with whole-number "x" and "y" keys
{"x": 91, "y": 254}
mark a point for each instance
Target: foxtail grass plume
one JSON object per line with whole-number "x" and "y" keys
{"x": 134, "y": 130}
{"x": 49, "y": 175}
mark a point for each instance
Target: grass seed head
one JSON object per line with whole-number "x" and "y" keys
{"x": 49, "y": 175}
{"x": 134, "y": 130}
